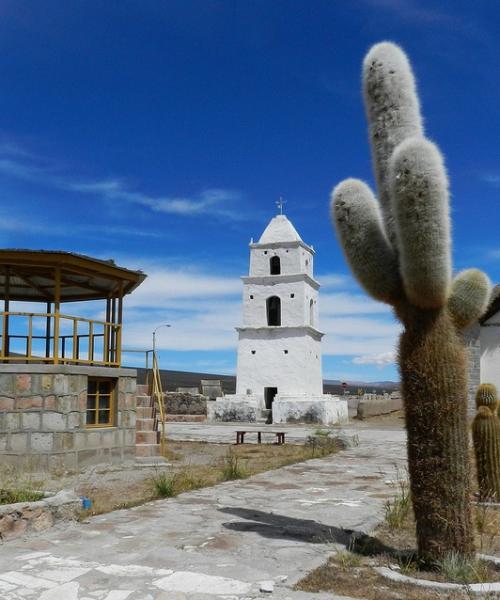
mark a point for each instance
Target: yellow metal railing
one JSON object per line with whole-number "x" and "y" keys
{"x": 59, "y": 339}
{"x": 158, "y": 399}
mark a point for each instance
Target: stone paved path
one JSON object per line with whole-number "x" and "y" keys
{"x": 221, "y": 542}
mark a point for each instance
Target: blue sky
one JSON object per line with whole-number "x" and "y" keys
{"x": 160, "y": 133}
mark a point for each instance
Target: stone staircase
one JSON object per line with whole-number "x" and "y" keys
{"x": 147, "y": 436}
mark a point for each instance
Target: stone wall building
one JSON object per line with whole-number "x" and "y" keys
{"x": 279, "y": 375}
{"x": 64, "y": 397}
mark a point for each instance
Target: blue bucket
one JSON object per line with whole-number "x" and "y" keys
{"x": 86, "y": 502}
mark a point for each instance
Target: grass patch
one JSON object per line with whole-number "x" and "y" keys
{"x": 398, "y": 509}
{"x": 232, "y": 468}
{"x": 458, "y": 569}
{"x": 13, "y": 496}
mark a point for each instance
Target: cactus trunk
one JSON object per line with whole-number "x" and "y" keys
{"x": 433, "y": 367}
{"x": 486, "y": 436}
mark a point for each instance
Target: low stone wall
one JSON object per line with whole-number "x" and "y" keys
{"x": 320, "y": 410}
{"x": 235, "y": 408}
{"x": 23, "y": 518}
{"x": 178, "y": 403}
{"x": 372, "y": 405}
{"x": 43, "y": 416}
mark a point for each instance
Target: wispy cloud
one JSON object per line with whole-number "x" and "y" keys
{"x": 16, "y": 163}
{"x": 25, "y": 225}
{"x": 409, "y": 10}
{"x": 491, "y": 179}
{"x": 379, "y": 360}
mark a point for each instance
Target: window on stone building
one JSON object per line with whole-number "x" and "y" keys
{"x": 273, "y": 306}
{"x": 275, "y": 265}
{"x": 100, "y": 402}
{"x": 311, "y": 313}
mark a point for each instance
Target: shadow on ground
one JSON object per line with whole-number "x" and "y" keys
{"x": 272, "y": 525}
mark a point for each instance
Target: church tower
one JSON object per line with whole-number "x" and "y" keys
{"x": 279, "y": 377}
{"x": 279, "y": 347}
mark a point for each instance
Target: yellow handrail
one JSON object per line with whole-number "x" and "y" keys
{"x": 157, "y": 396}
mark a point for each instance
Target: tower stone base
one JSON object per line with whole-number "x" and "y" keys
{"x": 322, "y": 409}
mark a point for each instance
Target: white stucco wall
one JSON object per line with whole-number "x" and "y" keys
{"x": 294, "y": 257}
{"x": 490, "y": 351}
{"x": 294, "y": 311}
{"x": 263, "y": 362}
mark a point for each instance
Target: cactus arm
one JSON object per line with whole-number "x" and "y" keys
{"x": 358, "y": 223}
{"x": 470, "y": 295}
{"x": 393, "y": 113}
{"x": 421, "y": 213}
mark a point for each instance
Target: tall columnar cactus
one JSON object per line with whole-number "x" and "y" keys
{"x": 486, "y": 395}
{"x": 399, "y": 249}
{"x": 486, "y": 436}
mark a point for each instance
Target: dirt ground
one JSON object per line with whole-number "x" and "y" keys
{"x": 195, "y": 465}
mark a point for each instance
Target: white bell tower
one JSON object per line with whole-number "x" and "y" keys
{"x": 279, "y": 374}
{"x": 279, "y": 348}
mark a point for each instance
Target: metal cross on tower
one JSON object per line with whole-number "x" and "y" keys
{"x": 279, "y": 204}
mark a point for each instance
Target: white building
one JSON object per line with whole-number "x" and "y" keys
{"x": 279, "y": 373}
{"x": 483, "y": 340}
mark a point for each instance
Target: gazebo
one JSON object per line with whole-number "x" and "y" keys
{"x": 64, "y": 396}
{"x": 53, "y": 278}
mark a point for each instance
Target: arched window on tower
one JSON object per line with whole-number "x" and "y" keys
{"x": 275, "y": 265}
{"x": 273, "y": 308}
{"x": 311, "y": 312}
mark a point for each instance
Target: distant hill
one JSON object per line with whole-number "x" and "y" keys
{"x": 171, "y": 380}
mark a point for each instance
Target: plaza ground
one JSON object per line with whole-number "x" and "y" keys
{"x": 227, "y": 541}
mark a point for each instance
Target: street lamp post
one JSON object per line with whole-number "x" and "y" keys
{"x": 154, "y": 335}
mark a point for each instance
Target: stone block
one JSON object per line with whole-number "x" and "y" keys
{"x": 82, "y": 401}
{"x": 129, "y": 437}
{"x": 118, "y": 437}
{"x": 29, "y": 402}
{"x": 47, "y": 383}
{"x": 80, "y": 441}
{"x": 6, "y": 384}
{"x": 76, "y": 383}
{"x": 116, "y": 455}
{"x": 11, "y": 421}
{"x": 31, "y": 420}
{"x": 6, "y": 403}
{"x": 61, "y": 384}
{"x": 177, "y": 403}
{"x": 42, "y": 442}
{"x": 3, "y": 441}
{"x": 63, "y": 441}
{"x": 132, "y": 418}
{"x": 19, "y": 442}
{"x": 88, "y": 457}
{"x": 66, "y": 404}
{"x": 23, "y": 383}
{"x": 107, "y": 438}
{"x": 75, "y": 420}
{"x": 93, "y": 439}
{"x": 53, "y": 421}
{"x": 129, "y": 400}
{"x": 50, "y": 402}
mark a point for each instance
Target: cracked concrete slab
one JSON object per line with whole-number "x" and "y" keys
{"x": 214, "y": 543}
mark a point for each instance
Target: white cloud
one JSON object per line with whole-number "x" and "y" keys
{"x": 380, "y": 360}
{"x": 14, "y": 162}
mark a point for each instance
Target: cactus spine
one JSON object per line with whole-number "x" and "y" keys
{"x": 486, "y": 395}
{"x": 400, "y": 251}
{"x": 486, "y": 437}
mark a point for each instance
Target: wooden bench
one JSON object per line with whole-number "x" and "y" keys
{"x": 240, "y": 436}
